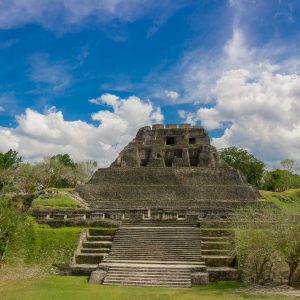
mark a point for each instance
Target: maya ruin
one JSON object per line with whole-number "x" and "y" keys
{"x": 165, "y": 184}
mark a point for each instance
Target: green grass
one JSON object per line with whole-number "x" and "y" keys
{"x": 44, "y": 246}
{"x": 77, "y": 288}
{"x": 289, "y": 200}
{"x": 59, "y": 200}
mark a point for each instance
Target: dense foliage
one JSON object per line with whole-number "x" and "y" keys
{"x": 58, "y": 171}
{"x": 268, "y": 250}
{"x": 15, "y": 229}
{"x": 247, "y": 163}
{"x": 10, "y": 159}
{"x": 279, "y": 179}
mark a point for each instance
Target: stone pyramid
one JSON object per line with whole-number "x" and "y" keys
{"x": 167, "y": 172}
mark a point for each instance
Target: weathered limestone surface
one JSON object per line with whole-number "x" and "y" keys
{"x": 97, "y": 276}
{"x": 168, "y": 167}
{"x": 200, "y": 278}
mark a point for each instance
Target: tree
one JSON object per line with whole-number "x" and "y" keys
{"x": 288, "y": 242}
{"x": 289, "y": 165}
{"x": 64, "y": 159}
{"x": 280, "y": 180}
{"x": 10, "y": 159}
{"x": 247, "y": 163}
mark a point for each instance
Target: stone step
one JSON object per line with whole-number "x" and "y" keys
{"x": 223, "y": 273}
{"x": 216, "y": 238}
{"x": 101, "y": 244}
{"x": 96, "y": 238}
{"x": 82, "y": 269}
{"x": 216, "y": 245}
{"x": 155, "y": 257}
{"x": 89, "y": 258}
{"x": 94, "y": 250}
{"x": 144, "y": 277}
{"x": 180, "y": 251}
{"x": 147, "y": 283}
{"x": 215, "y": 252}
{"x": 216, "y": 232}
{"x": 101, "y": 232}
{"x": 173, "y": 263}
{"x": 152, "y": 272}
{"x": 217, "y": 260}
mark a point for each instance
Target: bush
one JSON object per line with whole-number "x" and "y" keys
{"x": 267, "y": 244}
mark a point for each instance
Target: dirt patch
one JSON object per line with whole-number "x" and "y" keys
{"x": 20, "y": 272}
{"x": 282, "y": 290}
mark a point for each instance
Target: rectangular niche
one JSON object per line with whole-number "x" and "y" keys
{"x": 170, "y": 140}
{"x": 192, "y": 141}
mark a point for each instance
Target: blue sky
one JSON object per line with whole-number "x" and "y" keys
{"x": 81, "y": 76}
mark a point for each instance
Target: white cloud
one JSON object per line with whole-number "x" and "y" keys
{"x": 188, "y": 117}
{"x": 107, "y": 99}
{"x": 264, "y": 113}
{"x": 38, "y": 135}
{"x": 172, "y": 94}
{"x": 70, "y": 14}
{"x": 253, "y": 95}
{"x": 2, "y": 109}
{"x": 54, "y": 75}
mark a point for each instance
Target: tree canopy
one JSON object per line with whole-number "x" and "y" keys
{"x": 9, "y": 159}
{"x": 247, "y": 163}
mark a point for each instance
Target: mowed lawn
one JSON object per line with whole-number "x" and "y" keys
{"x": 77, "y": 288}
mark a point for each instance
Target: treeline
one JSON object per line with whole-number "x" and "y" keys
{"x": 58, "y": 171}
{"x": 256, "y": 172}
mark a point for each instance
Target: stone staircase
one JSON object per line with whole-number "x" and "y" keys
{"x": 217, "y": 247}
{"x": 154, "y": 253}
{"x": 93, "y": 246}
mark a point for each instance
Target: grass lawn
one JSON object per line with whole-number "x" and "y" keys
{"x": 59, "y": 200}
{"x": 77, "y": 288}
{"x": 289, "y": 200}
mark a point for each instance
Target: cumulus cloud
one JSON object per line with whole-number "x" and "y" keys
{"x": 255, "y": 100}
{"x": 264, "y": 113}
{"x": 38, "y": 135}
{"x": 171, "y": 94}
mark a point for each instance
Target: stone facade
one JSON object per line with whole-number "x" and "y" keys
{"x": 169, "y": 146}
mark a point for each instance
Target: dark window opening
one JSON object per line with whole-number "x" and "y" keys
{"x": 170, "y": 140}
{"x": 192, "y": 140}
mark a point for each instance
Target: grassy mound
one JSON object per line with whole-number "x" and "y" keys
{"x": 289, "y": 199}
{"x": 57, "y": 200}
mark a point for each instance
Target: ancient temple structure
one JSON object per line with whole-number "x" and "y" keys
{"x": 165, "y": 191}
{"x": 167, "y": 172}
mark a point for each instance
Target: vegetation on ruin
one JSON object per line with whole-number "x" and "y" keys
{"x": 56, "y": 200}
{"x": 70, "y": 287}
